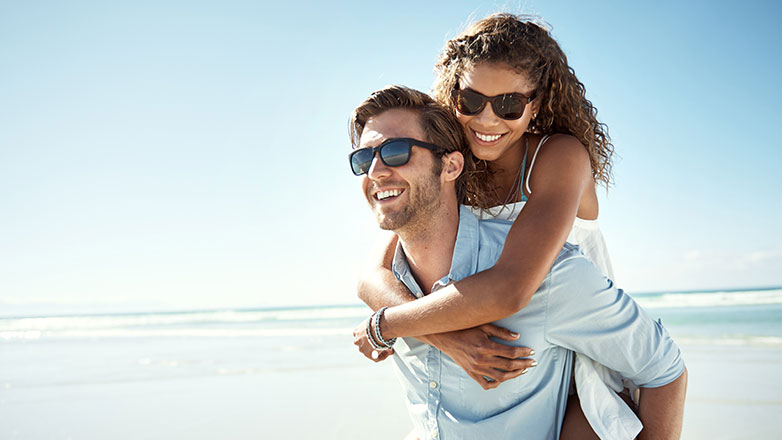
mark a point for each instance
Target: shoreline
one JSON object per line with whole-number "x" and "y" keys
{"x": 733, "y": 393}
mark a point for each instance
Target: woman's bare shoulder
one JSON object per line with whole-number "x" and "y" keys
{"x": 562, "y": 153}
{"x": 563, "y": 145}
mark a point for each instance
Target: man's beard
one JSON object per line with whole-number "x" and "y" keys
{"x": 418, "y": 211}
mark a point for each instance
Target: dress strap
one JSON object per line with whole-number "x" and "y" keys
{"x": 532, "y": 164}
{"x": 523, "y": 168}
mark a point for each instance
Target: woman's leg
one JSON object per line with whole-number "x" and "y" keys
{"x": 575, "y": 426}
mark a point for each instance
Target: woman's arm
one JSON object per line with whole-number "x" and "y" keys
{"x": 561, "y": 175}
{"x": 488, "y": 362}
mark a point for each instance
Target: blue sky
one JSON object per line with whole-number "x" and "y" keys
{"x": 193, "y": 154}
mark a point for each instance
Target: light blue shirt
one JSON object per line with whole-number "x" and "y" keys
{"x": 575, "y": 309}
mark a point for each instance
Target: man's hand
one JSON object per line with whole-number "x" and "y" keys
{"x": 489, "y": 363}
{"x": 365, "y": 347}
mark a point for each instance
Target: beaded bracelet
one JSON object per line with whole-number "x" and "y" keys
{"x": 379, "y": 336}
{"x": 372, "y": 341}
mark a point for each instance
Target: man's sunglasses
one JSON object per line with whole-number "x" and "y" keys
{"x": 508, "y": 106}
{"x": 394, "y": 152}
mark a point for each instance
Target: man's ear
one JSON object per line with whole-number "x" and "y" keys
{"x": 453, "y": 164}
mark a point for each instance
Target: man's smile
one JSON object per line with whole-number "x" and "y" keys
{"x": 387, "y": 194}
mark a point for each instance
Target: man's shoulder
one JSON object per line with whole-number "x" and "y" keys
{"x": 568, "y": 255}
{"x": 574, "y": 274}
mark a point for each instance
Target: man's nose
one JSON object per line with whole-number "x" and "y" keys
{"x": 378, "y": 169}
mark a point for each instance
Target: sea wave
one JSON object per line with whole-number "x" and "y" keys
{"x": 180, "y": 319}
{"x": 709, "y": 299}
{"x": 31, "y": 335}
{"x": 736, "y": 340}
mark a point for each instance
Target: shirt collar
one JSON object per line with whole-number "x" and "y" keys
{"x": 465, "y": 252}
{"x": 463, "y": 263}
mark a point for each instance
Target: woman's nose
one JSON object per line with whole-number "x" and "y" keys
{"x": 487, "y": 115}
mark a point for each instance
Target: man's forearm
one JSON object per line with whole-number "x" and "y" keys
{"x": 661, "y": 410}
{"x": 382, "y": 289}
{"x": 376, "y": 293}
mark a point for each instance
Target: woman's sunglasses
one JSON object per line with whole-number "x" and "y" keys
{"x": 394, "y": 152}
{"x": 508, "y": 106}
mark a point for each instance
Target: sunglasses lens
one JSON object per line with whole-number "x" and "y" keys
{"x": 361, "y": 160}
{"x": 509, "y": 106}
{"x": 468, "y": 102}
{"x": 395, "y": 153}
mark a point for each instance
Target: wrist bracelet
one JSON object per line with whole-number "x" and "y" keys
{"x": 372, "y": 341}
{"x": 378, "y": 335}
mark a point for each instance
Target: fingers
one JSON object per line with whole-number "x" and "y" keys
{"x": 499, "y": 332}
{"x": 383, "y": 355}
{"x": 501, "y": 376}
{"x": 375, "y": 355}
{"x": 496, "y": 377}
{"x": 485, "y": 382}
{"x": 360, "y": 341}
{"x": 501, "y": 370}
{"x": 505, "y": 351}
{"x": 512, "y": 365}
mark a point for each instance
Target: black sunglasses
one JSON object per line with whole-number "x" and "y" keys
{"x": 508, "y": 106}
{"x": 394, "y": 152}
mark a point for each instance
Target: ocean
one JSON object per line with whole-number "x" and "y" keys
{"x": 152, "y": 344}
{"x": 47, "y": 360}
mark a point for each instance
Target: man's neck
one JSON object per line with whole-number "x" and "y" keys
{"x": 429, "y": 247}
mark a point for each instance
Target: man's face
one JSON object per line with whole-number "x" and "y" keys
{"x": 404, "y": 196}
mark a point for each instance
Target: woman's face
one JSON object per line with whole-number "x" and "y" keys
{"x": 492, "y": 138}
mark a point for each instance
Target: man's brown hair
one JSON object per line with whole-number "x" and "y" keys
{"x": 439, "y": 125}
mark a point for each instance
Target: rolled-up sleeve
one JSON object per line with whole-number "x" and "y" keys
{"x": 587, "y": 314}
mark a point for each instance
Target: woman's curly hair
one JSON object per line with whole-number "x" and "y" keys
{"x": 526, "y": 45}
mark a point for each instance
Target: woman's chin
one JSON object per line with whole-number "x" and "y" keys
{"x": 489, "y": 154}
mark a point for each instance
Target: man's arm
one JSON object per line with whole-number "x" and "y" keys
{"x": 588, "y": 315}
{"x": 472, "y": 349}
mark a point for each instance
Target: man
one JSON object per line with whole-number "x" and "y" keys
{"x": 413, "y": 180}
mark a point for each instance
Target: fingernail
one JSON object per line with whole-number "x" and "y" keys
{"x": 523, "y": 372}
{"x": 531, "y": 352}
{"x": 515, "y": 335}
{"x": 534, "y": 363}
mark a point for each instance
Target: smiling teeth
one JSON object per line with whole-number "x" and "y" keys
{"x": 386, "y": 194}
{"x": 487, "y": 138}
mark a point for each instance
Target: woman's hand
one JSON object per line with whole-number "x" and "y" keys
{"x": 489, "y": 363}
{"x": 365, "y": 347}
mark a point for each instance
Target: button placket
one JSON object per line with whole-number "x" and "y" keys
{"x": 434, "y": 368}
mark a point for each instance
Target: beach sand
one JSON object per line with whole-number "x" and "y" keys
{"x": 734, "y": 393}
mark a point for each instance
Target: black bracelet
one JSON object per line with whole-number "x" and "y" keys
{"x": 380, "y": 340}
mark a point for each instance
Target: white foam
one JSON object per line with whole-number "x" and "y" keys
{"x": 163, "y": 332}
{"x": 711, "y": 299}
{"x": 755, "y": 341}
{"x": 173, "y": 319}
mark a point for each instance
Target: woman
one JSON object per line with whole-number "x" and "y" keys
{"x": 526, "y": 116}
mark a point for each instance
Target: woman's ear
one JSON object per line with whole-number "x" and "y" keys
{"x": 453, "y": 164}
{"x": 535, "y": 108}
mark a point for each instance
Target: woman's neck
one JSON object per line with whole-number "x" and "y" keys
{"x": 506, "y": 173}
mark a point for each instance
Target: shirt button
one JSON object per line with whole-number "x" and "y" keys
{"x": 435, "y": 434}
{"x": 432, "y": 384}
